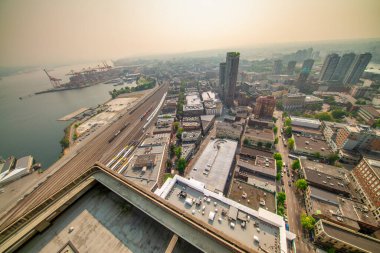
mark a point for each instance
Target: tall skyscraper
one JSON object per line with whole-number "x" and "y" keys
{"x": 222, "y": 77}
{"x": 343, "y": 66}
{"x": 329, "y": 67}
{"x": 232, "y": 66}
{"x": 305, "y": 71}
{"x": 357, "y": 68}
{"x": 277, "y": 67}
{"x": 291, "y": 67}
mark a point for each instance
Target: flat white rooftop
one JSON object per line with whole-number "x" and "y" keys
{"x": 261, "y": 231}
{"x": 213, "y": 166}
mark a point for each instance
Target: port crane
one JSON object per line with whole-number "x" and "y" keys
{"x": 56, "y": 82}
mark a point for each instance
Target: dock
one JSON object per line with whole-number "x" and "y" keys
{"x": 73, "y": 114}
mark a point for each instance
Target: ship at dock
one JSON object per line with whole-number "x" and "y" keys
{"x": 88, "y": 76}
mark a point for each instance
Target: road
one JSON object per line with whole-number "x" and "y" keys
{"x": 294, "y": 201}
{"x": 98, "y": 149}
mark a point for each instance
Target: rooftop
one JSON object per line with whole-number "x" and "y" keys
{"x": 371, "y": 110}
{"x": 252, "y": 152}
{"x": 351, "y": 237}
{"x": 331, "y": 170}
{"x": 258, "y": 230}
{"x": 191, "y": 136}
{"x": 264, "y": 134}
{"x": 252, "y": 196}
{"x": 311, "y": 146}
{"x": 295, "y": 120}
{"x": 374, "y": 164}
{"x": 262, "y": 165}
{"x": 24, "y": 162}
{"x": 101, "y": 228}
{"x": 213, "y": 166}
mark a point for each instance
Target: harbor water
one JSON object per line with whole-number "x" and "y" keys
{"x": 30, "y": 125}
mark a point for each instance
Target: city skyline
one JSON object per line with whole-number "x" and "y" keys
{"x": 40, "y": 32}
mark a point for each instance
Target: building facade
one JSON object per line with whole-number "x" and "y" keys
{"x": 357, "y": 68}
{"x": 329, "y": 67}
{"x": 232, "y": 66}
{"x": 366, "y": 177}
{"x": 291, "y": 67}
{"x": 264, "y": 107}
{"x": 293, "y": 101}
{"x": 343, "y": 66}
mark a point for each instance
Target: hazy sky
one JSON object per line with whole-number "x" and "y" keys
{"x": 35, "y": 32}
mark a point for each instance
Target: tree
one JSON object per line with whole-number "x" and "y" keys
{"x": 246, "y": 142}
{"x": 307, "y": 221}
{"x": 332, "y": 158}
{"x": 277, "y": 156}
{"x": 325, "y": 116}
{"x": 178, "y": 152}
{"x": 296, "y": 165}
{"x": 171, "y": 150}
{"x": 276, "y": 140}
{"x": 280, "y": 210}
{"x": 169, "y": 163}
{"x": 281, "y": 197}
{"x": 268, "y": 145}
{"x": 176, "y": 125}
{"x": 179, "y": 132}
{"x": 274, "y": 119}
{"x": 181, "y": 165}
{"x": 288, "y": 131}
{"x": 331, "y": 250}
{"x": 291, "y": 143}
{"x": 259, "y": 144}
{"x": 288, "y": 122}
{"x": 376, "y": 124}
{"x": 279, "y": 165}
{"x": 301, "y": 184}
{"x": 339, "y": 114}
{"x": 317, "y": 155}
{"x": 275, "y": 129}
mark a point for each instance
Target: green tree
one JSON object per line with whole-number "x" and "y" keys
{"x": 176, "y": 125}
{"x": 276, "y": 140}
{"x": 288, "y": 131}
{"x": 275, "y": 129}
{"x": 296, "y": 165}
{"x": 307, "y": 221}
{"x": 288, "y": 122}
{"x": 278, "y": 176}
{"x": 171, "y": 150}
{"x": 268, "y": 145}
{"x": 281, "y": 197}
{"x": 376, "y": 124}
{"x": 246, "y": 142}
{"x": 317, "y": 155}
{"x": 277, "y": 156}
{"x": 274, "y": 119}
{"x": 181, "y": 165}
{"x": 259, "y": 144}
{"x": 179, "y": 133}
{"x": 301, "y": 184}
{"x": 332, "y": 158}
{"x": 279, "y": 165}
{"x": 169, "y": 163}
{"x": 178, "y": 152}
{"x": 331, "y": 250}
{"x": 325, "y": 116}
{"x": 339, "y": 114}
{"x": 281, "y": 210}
{"x": 291, "y": 143}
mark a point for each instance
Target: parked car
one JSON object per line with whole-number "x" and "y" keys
{"x": 289, "y": 183}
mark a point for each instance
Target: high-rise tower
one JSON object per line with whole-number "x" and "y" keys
{"x": 232, "y": 66}
{"x": 329, "y": 67}
{"x": 342, "y": 67}
{"x": 357, "y": 68}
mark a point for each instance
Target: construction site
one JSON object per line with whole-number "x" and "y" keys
{"x": 89, "y": 76}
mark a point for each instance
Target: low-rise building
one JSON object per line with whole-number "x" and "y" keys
{"x": 214, "y": 164}
{"x": 359, "y": 137}
{"x": 329, "y": 234}
{"x": 366, "y": 177}
{"x": 259, "y": 230}
{"x": 369, "y": 114}
{"x": 312, "y": 101}
{"x": 311, "y": 147}
{"x": 207, "y": 122}
{"x": 326, "y": 177}
{"x": 260, "y": 137}
{"x": 191, "y": 137}
{"x": 293, "y": 101}
{"x": 22, "y": 168}
{"x": 305, "y": 122}
{"x": 227, "y": 130}
{"x": 188, "y": 149}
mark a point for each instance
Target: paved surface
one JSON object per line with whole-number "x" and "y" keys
{"x": 98, "y": 149}
{"x": 113, "y": 226}
{"x": 294, "y": 201}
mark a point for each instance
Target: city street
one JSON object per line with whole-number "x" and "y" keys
{"x": 293, "y": 200}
